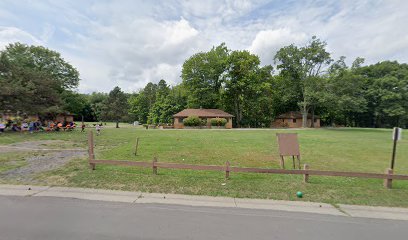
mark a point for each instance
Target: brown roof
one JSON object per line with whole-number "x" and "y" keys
{"x": 294, "y": 115}
{"x": 202, "y": 113}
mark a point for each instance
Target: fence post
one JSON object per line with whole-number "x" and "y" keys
{"x": 282, "y": 162}
{"x": 91, "y": 150}
{"x": 227, "y": 170}
{"x": 388, "y": 181}
{"x": 137, "y": 144}
{"x": 154, "y": 166}
{"x": 306, "y": 175}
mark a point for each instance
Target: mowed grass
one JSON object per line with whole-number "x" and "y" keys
{"x": 9, "y": 161}
{"x": 362, "y": 150}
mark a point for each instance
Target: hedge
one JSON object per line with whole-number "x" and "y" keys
{"x": 218, "y": 122}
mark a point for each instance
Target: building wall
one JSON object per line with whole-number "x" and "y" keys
{"x": 178, "y": 124}
{"x": 62, "y": 118}
{"x": 293, "y": 123}
{"x": 317, "y": 123}
{"x": 229, "y": 123}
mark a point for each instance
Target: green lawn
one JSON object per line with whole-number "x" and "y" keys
{"x": 366, "y": 150}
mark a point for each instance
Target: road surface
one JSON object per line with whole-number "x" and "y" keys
{"x": 45, "y": 218}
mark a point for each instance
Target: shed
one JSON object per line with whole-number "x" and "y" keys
{"x": 294, "y": 120}
{"x": 64, "y": 117}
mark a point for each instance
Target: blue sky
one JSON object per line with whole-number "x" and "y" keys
{"x": 129, "y": 43}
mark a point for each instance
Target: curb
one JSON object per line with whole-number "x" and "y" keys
{"x": 203, "y": 201}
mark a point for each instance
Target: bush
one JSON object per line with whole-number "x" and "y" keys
{"x": 192, "y": 121}
{"x": 218, "y": 122}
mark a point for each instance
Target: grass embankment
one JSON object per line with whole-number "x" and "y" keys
{"x": 363, "y": 150}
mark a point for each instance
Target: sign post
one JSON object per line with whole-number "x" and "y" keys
{"x": 396, "y": 136}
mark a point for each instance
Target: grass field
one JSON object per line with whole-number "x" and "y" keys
{"x": 365, "y": 150}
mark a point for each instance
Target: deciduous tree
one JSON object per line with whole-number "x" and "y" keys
{"x": 302, "y": 67}
{"x": 115, "y": 107}
{"x": 33, "y": 78}
{"x": 203, "y": 75}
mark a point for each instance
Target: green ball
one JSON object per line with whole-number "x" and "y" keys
{"x": 299, "y": 194}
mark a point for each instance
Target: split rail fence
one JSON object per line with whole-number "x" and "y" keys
{"x": 388, "y": 176}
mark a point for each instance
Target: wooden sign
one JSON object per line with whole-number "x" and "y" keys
{"x": 288, "y": 144}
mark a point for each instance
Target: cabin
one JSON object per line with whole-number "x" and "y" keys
{"x": 64, "y": 117}
{"x": 206, "y": 114}
{"x": 294, "y": 120}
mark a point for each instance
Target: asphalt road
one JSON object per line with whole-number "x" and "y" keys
{"x": 45, "y": 218}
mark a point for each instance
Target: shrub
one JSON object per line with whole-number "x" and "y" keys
{"x": 285, "y": 125}
{"x": 218, "y": 122}
{"x": 192, "y": 121}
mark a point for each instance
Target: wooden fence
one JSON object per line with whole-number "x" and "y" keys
{"x": 388, "y": 176}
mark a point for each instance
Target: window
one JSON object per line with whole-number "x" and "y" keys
{"x": 294, "y": 120}
{"x": 315, "y": 120}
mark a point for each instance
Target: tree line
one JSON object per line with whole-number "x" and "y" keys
{"x": 304, "y": 78}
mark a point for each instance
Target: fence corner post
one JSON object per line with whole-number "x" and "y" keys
{"x": 154, "y": 165}
{"x": 91, "y": 153}
{"x": 388, "y": 180}
{"x": 227, "y": 170}
{"x": 306, "y": 175}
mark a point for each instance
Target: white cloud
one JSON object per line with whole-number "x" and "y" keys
{"x": 222, "y": 9}
{"x": 142, "y": 50}
{"x": 178, "y": 32}
{"x": 375, "y": 30}
{"x": 48, "y": 32}
{"x": 12, "y": 34}
{"x": 134, "y": 42}
{"x": 268, "y": 42}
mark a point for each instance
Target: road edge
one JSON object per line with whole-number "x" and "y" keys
{"x": 204, "y": 201}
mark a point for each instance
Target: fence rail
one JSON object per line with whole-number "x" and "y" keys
{"x": 252, "y": 170}
{"x": 306, "y": 172}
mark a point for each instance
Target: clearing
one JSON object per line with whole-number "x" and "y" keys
{"x": 363, "y": 150}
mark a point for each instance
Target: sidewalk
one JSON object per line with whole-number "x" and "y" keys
{"x": 158, "y": 198}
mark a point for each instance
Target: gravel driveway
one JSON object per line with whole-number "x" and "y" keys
{"x": 54, "y": 154}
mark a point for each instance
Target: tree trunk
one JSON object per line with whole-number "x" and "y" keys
{"x": 313, "y": 116}
{"x": 117, "y": 124}
{"x": 374, "y": 121}
{"x": 82, "y": 119}
{"x": 304, "y": 116}
{"x": 237, "y": 112}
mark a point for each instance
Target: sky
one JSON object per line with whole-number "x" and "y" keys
{"x": 128, "y": 43}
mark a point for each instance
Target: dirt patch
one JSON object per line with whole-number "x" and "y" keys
{"x": 48, "y": 157}
{"x": 46, "y": 145}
